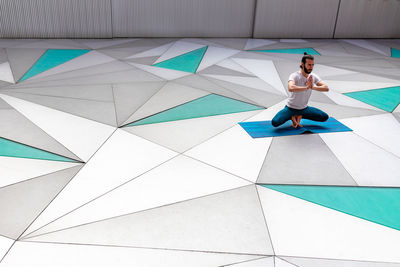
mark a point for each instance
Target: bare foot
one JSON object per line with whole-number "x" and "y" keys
{"x": 294, "y": 122}
{"x": 298, "y": 119}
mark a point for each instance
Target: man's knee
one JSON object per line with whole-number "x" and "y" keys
{"x": 275, "y": 122}
{"x": 324, "y": 117}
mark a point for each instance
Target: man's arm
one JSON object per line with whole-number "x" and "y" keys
{"x": 292, "y": 87}
{"x": 321, "y": 86}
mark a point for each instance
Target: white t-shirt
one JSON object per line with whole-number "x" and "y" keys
{"x": 299, "y": 100}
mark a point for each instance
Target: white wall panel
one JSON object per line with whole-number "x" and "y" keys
{"x": 55, "y": 18}
{"x": 295, "y": 18}
{"x": 178, "y": 18}
{"x": 368, "y": 19}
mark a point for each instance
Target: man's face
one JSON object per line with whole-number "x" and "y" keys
{"x": 308, "y": 66}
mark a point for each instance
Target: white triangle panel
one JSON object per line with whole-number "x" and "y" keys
{"x": 179, "y": 179}
{"x": 82, "y": 136}
{"x": 158, "y": 51}
{"x": 368, "y": 164}
{"x": 167, "y": 74}
{"x": 344, "y": 100}
{"x": 5, "y": 73}
{"x": 66, "y": 255}
{"x": 355, "y": 86}
{"x": 380, "y": 49}
{"x": 304, "y": 229}
{"x": 254, "y": 43}
{"x": 5, "y": 244}
{"x": 252, "y": 82}
{"x": 382, "y": 130}
{"x": 234, "y": 151}
{"x": 123, "y": 157}
{"x": 265, "y": 70}
{"x": 14, "y": 170}
{"x": 177, "y": 49}
{"x": 230, "y": 64}
{"x": 214, "y": 55}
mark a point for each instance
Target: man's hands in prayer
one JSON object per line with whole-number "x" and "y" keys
{"x": 310, "y": 82}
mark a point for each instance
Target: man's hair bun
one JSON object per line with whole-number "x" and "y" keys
{"x": 305, "y": 53}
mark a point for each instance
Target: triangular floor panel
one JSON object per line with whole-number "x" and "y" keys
{"x": 300, "y": 228}
{"x": 382, "y": 130}
{"x": 86, "y": 60}
{"x": 311, "y": 262}
{"x": 153, "y": 189}
{"x": 395, "y": 52}
{"x": 100, "y": 111}
{"x": 378, "y": 205}
{"x": 14, "y": 126}
{"x": 342, "y": 112}
{"x": 216, "y": 223}
{"x": 11, "y": 171}
{"x": 385, "y": 98}
{"x": 188, "y": 62}
{"x": 10, "y": 148}
{"x": 367, "y": 163}
{"x": 169, "y": 96}
{"x": 82, "y": 136}
{"x": 234, "y": 151}
{"x": 21, "y": 203}
{"x": 215, "y": 55}
{"x": 310, "y": 51}
{"x": 50, "y": 255}
{"x": 263, "y": 262}
{"x": 317, "y": 164}
{"x": 22, "y": 59}
{"x": 129, "y": 97}
{"x": 5, "y": 73}
{"x": 5, "y": 245}
{"x": 209, "y": 105}
{"x": 178, "y": 48}
{"x": 52, "y": 58}
{"x": 122, "y": 158}
{"x": 204, "y": 83}
{"x": 184, "y": 134}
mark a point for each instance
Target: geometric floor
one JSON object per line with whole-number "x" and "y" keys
{"x": 128, "y": 152}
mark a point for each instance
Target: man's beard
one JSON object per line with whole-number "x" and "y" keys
{"x": 306, "y": 70}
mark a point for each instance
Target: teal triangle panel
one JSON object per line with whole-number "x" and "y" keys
{"x": 378, "y": 205}
{"x": 52, "y": 58}
{"x": 395, "y": 52}
{"x": 209, "y": 105}
{"x": 9, "y": 148}
{"x": 188, "y": 62}
{"x": 385, "y": 98}
{"x": 310, "y": 51}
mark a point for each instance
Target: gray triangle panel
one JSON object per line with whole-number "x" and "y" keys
{"x": 302, "y": 159}
{"x": 94, "y": 92}
{"x": 21, "y": 60}
{"x": 103, "y": 112}
{"x": 199, "y": 82}
{"x": 21, "y": 203}
{"x": 312, "y": 262}
{"x": 14, "y": 126}
{"x": 144, "y": 60}
{"x": 341, "y": 112}
{"x": 218, "y": 70}
{"x": 130, "y": 97}
{"x": 218, "y": 223}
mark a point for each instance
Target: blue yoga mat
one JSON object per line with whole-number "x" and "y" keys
{"x": 258, "y": 129}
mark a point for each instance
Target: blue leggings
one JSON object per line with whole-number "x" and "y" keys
{"x": 309, "y": 113}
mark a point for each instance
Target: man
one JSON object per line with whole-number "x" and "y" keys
{"x": 300, "y": 86}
